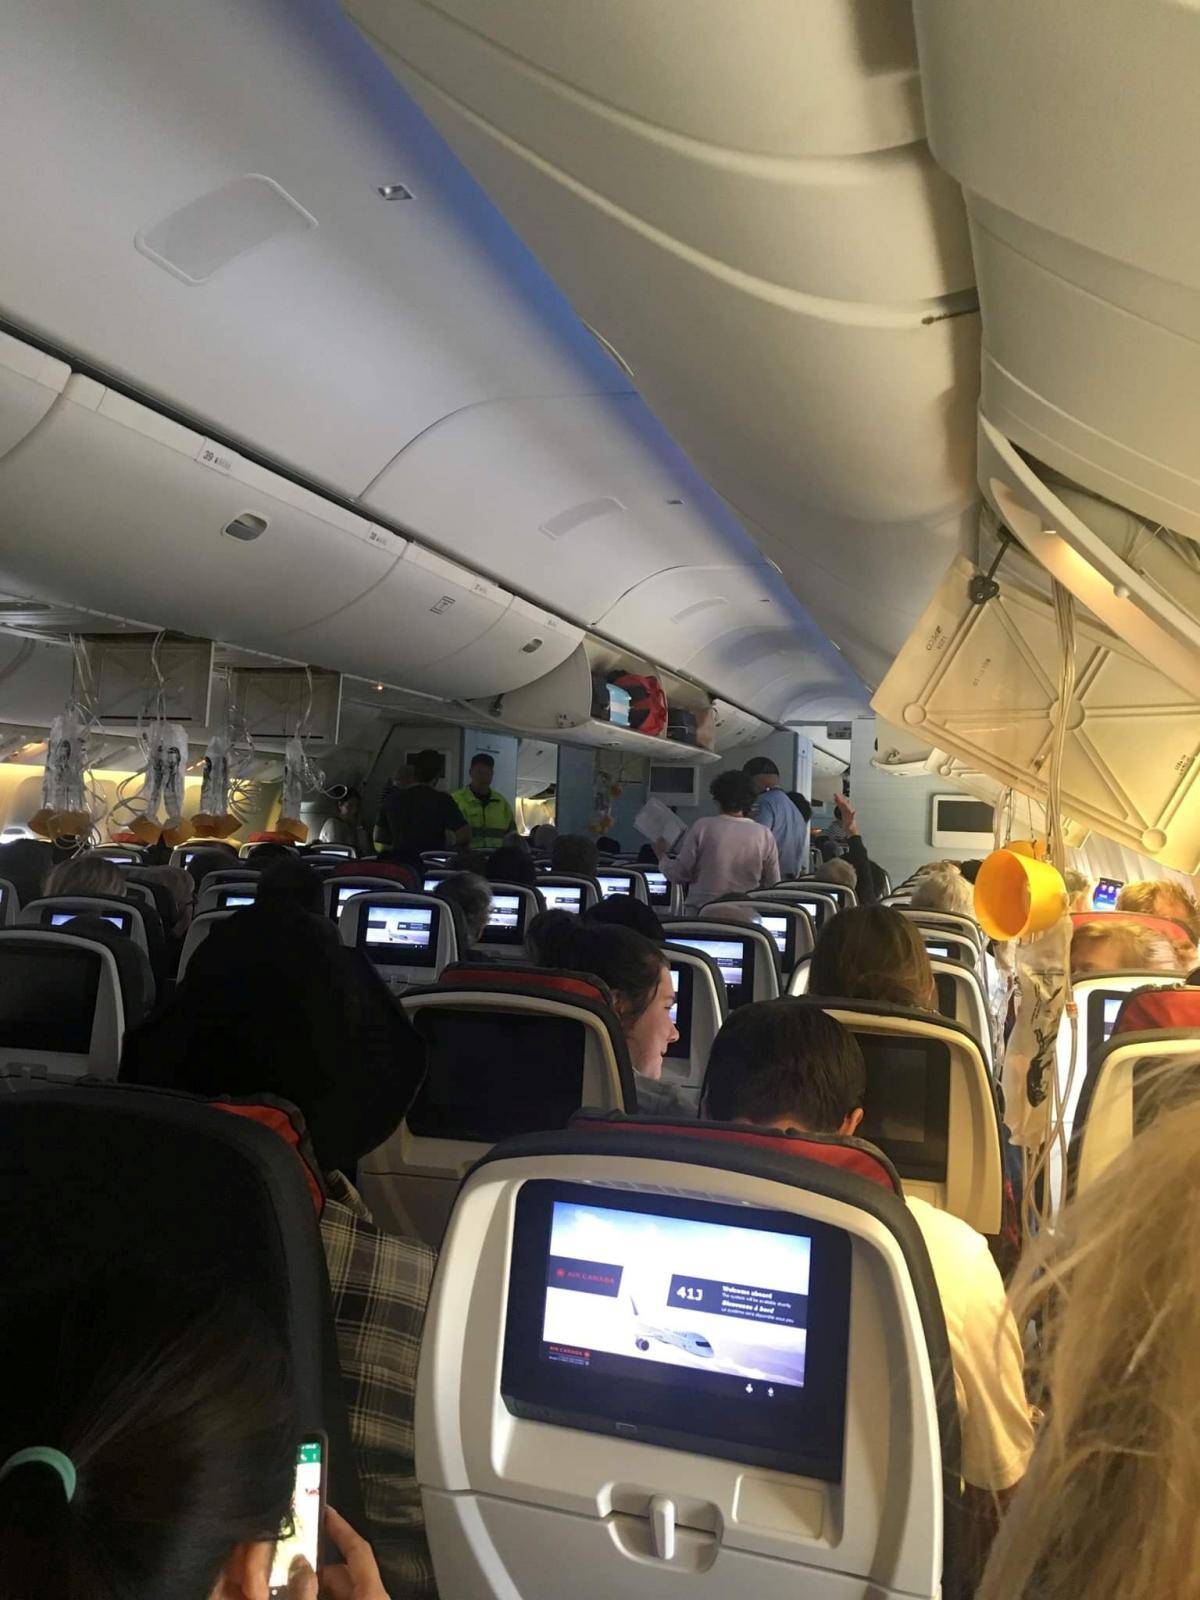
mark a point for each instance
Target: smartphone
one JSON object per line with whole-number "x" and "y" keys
{"x": 303, "y": 1535}
{"x": 1104, "y": 896}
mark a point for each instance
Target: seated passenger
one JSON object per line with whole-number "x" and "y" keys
{"x": 639, "y": 979}
{"x": 346, "y": 826}
{"x": 512, "y": 864}
{"x": 180, "y": 891}
{"x": 575, "y": 854}
{"x": 401, "y": 867}
{"x": 873, "y": 953}
{"x": 273, "y": 1003}
{"x": 1079, "y": 889}
{"x": 627, "y": 911}
{"x": 25, "y": 864}
{"x": 87, "y": 874}
{"x": 606, "y": 845}
{"x": 542, "y": 837}
{"x": 726, "y": 854}
{"x": 1115, "y": 946}
{"x": 1162, "y": 898}
{"x": 837, "y": 870}
{"x": 779, "y": 1065}
{"x": 1105, "y": 1508}
{"x": 473, "y": 897}
{"x": 211, "y": 858}
{"x": 149, "y": 1448}
{"x": 261, "y": 855}
{"x": 943, "y": 888}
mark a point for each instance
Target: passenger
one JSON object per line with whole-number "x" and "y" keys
{"x": 211, "y": 859}
{"x": 88, "y": 874}
{"x": 801, "y": 802}
{"x": 489, "y": 814}
{"x": 606, "y": 845}
{"x": 1116, "y": 946}
{"x": 421, "y": 817}
{"x": 25, "y": 863}
{"x": 512, "y": 864}
{"x": 261, "y": 855}
{"x": 149, "y": 1448}
{"x": 943, "y": 888}
{"x": 470, "y": 861}
{"x": 647, "y": 856}
{"x": 639, "y": 979}
{"x": 347, "y": 826}
{"x": 626, "y": 911}
{"x": 273, "y": 1003}
{"x": 777, "y": 814}
{"x": 837, "y": 870}
{"x": 178, "y": 897}
{"x": 576, "y": 854}
{"x": 473, "y": 897}
{"x": 726, "y": 854}
{"x": 402, "y": 778}
{"x": 1106, "y": 1505}
{"x": 777, "y": 1064}
{"x": 1162, "y": 898}
{"x": 542, "y": 837}
{"x": 873, "y": 953}
{"x": 970, "y": 870}
{"x": 856, "y": 851}
{"x": 1079, "y": 890}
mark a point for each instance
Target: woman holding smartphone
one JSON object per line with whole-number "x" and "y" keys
{"x": 148, "y": 1447}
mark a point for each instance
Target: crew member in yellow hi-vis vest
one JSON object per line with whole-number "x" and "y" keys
{"x": 488, "y": 814}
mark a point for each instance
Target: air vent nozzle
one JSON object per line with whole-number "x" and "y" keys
{"x": 246, "y": 527}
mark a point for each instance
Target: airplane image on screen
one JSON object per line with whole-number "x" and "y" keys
{"x": 695, "y": 1344}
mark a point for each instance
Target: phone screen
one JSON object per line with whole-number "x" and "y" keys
{"x": 1104, "y": 897}
{"x": 308, "y": 1502}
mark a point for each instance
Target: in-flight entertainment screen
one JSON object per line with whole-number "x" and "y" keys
{"x": 734, "y": 957}
{"x": 562, "y": 896}
{"x": 399, "y": 936}
{"x": 506, "y": 925}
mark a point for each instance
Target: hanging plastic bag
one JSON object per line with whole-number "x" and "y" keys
{"x": 160, "y": 804}
{"x": 297, "y": 776}
{"x": 215, "y": 818}
{"x": 66, "y": 810}
{"x": 1030, "y": 1060}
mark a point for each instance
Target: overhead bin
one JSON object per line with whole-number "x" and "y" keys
{"x": 114, "y": 507}
{"x": 1072, "y": 132}
{"x": 30, "y": 383}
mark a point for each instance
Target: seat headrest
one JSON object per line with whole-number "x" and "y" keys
{"x": 1167, "y": 926}
{"x": 1155, "y": 1009}
{"x": 830, "y": 1149}
{"x": 285, "y": 1121}
{"x": 552, "y": 982}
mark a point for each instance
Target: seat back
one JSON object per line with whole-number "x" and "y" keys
{"x": 947, "y": 944}
{"x": 230, "y": 894}
{"x": 790, "y": 926}
{"x": 58, "y": 911}
{"x": 61, "y": 1005}
{"x": 931, "y": 1106}
{"x": 665, "y": 897}
{"x": 839, "y": 892}
{"x": 685, "y": 1362}
{"x": 340, "y": 890}
{"x": 408, "y": 938}
{"x": 508, "y": 1049}
{"x": 621, "y": 880}
{"x": 821, "y": 907}
{"x": 747, "y": 956}
{"x": 125, "y": 1178}
{"x": 565, "y": 891}
{"x": 961, "y": 998}
{"x": 125, "y": 855}
{"x": 946, "y": 922}
{"x": 330, "y": 852}
{"x": 1125, "y": 1078}
{"x": 142, "y": 893}
{"x": 798, "y": 982}
{"x": 199, "y": 929}
{"x": 514, "y": 907}
{"x": 700, "y": 1009}
{"x": 10, "y": 903}
{"x": 181, "y": 857}
{"x": 224, "y": 876}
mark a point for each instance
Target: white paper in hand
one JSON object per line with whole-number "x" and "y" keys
{"x": 658, "y": 821}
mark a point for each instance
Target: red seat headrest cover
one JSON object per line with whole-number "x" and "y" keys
{"x": 548, "y": 981}
{"x": 391, "y": 871}
{"x": 830, "y": 1149}
{"x": 289, "y": 1126}
{"x": 1152, "y": 1009}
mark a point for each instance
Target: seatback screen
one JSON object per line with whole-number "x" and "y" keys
{"x": 562, "y": 896}
{"x": 235, "y": 900}
{"x": 346, "y": 892}
{"x": 399, "y": 936}
{"x": 612, "y": 883}
{"x": 942, "y": 950}
{"x": 493, "y": 1075}
{"x": 432, "y": 880}
{"x": 48, "y": 998}
{"x": 735, "y": 958}
{"x": 1103, "y": 1008}
{"x": 120, "y": 920}
{"x": 506, "y": 924}
{"x": 658, "y": 887}
{"x": 780, "y": 929}
{"x": 907, "y": 1113}
{"x": 682, "y": 980}
{"x": 688, "y": 1323}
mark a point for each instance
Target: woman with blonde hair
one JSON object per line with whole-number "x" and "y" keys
{"x": 1108, "y": 1503}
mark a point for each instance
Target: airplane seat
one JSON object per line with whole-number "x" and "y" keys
{"x": 123, "y": 913}
{"x": 567, "y": 891}
{"x": 798, "y": 982}
{"x": 946, "y": 922}
{"x": 125, "y": 1177}
{"x": 947, "y": 944}
{"x": 790, "y": 925}
{"x": 340, "y": 888}
{"x": 1099, "y": 999}
{"x": 820, "y": 907}
{"x": 10, "y": 903}
{"x": 509, "y": 1049}
{"x": 931, "y": 1106}
{"x": 120, "y": 922}
{"x": 229, "y": 875}
{"x": 201, "y": 925}
{"x": 514, "y": 906}
{"x": 961, "y": 997}
{"x": 841, "y": 892}
{"x": 621, "y": 880}
{"x": 408, "y": 938}
{"x": 1179, "y": 937}
{"x": 61, "y": 1003}
{"x": 1151, "y": 1056}
{"x": 800, "y": 1437}
{"x": 232, "y": 893}
{"x": 747, "y": 955}
{"x": 664, "y": 897}
{"x": 700, "y": 1009}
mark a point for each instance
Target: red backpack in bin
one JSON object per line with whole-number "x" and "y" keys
{"x": 647, "y": 701}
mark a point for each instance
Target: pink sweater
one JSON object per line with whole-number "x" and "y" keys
{"x": 723, "y": 855}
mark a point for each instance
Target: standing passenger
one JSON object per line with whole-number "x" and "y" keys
{"x": 775, "y": 811}
{"x": 489, "y": 815}
{"x": 419, "y": 817}
{"x": 727, "y": 854}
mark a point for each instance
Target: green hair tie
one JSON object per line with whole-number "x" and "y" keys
{"x": 44, "y": 1455}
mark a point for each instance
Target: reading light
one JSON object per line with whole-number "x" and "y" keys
{"x": 395, "y": 191}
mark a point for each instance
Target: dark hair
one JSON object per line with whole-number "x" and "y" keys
{"x": 575, "y": 853}
{"x": 970, "y": 870}
{"x": 777, "y": 1059}
{"x": 606, "y": 845}
{"x": 482, "y": 759}
{"x": 209, "y": 858}
{"x": 291, "y": 884}
{"x": 872, "y": 953}
{"x": 630, "y": 965}
{"x": 270, "y": 850}
{"x": 471, "y": 861}
{"x": 427, "y": 765}
{"x": 801, "y": 803}
{"x": 626, "y": 911}
{"x": 544, "y": 932}
{"x": 512, "y": 864}
{"x": 174, "y": 1405}
{"x": 760, "y": 767}
{"x": 732, "y": 791}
